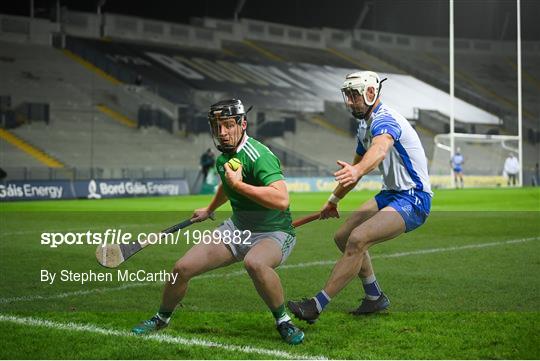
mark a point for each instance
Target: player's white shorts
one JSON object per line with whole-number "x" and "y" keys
{"x": 239, "y": 249}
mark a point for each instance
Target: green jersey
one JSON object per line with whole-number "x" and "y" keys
{"x": 260, "y": 167}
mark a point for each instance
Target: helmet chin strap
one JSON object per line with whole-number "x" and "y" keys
{"x": 362, "y": 115}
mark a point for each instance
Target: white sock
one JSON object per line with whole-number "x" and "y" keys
{"x": 164, "y": 319}
{"x": 285, "y": 318}
{"x": 318, "y": 305}
{"x": 369, "y": 279}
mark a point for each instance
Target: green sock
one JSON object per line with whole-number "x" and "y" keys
{"x": 164, "y": 315}
{"x": 279, "y": 312}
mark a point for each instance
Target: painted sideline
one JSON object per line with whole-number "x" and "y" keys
{"x": 161, "y": 338}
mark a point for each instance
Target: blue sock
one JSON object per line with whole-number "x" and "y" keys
{"x": 371, "y": 287}
{"x": 321, "y": 300}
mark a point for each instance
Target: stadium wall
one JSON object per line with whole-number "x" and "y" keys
{"x": 211, "y": 32}
{"x": 24, "y": 29}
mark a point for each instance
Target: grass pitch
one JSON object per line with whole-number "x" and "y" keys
{"x": 463, "y": 286}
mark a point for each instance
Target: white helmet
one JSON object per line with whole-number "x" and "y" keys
{"x": 360, "y": 81}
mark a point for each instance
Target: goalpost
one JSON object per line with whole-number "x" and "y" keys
{"x": 446, "y": 144}
{"x": 484, "y": 157}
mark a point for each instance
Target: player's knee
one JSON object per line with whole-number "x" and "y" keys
{"x": 357, "y": 244}
{"x": 355, "y": 249}
{"x": 183, "y": 270}
{"x": 253, "y": 265}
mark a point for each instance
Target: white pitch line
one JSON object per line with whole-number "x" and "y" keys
{"x": 107, "y": 289}
{"x": 289, "y": 266}
{"x": 70, "y": 294}
{"x": 456, "y": 248}
{"x": 418, "y": 252}
{"x": 161, "y": 338}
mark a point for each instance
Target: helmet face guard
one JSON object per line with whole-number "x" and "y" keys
{"x": 356, "y": 86}
{"x": 351, "y": 97}
{"x": 230, "y": 114}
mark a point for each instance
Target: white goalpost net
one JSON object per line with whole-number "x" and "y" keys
{"x": 484, "y": 154}
{"x": 484, "y": 157}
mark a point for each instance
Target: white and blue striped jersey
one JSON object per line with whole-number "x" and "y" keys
{"x": 457, "y": 160}
{"x": 405, "y": 165}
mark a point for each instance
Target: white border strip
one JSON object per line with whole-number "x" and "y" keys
{"x": 290, "y": 266}
{"x": 161, "y": 338}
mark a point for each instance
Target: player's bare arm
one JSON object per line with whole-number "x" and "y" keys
{"x": 261, "y": 253}
{"x": 350, "y": 174}
{"x": 273, "y": 196}
{"x": 202, "y": 214}
{"x": 401, "y": 206}
{"x": 329, "y": 209}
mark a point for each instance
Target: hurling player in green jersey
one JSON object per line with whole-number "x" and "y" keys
{"x": 259, "y": 233}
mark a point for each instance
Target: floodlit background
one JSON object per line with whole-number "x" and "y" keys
{"x": 103, "y": 125}
{"x": 119, "y": 90}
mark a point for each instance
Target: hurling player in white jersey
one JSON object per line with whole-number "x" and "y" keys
{"x": 456, "y": 162}
{"x": 385, "y": 140}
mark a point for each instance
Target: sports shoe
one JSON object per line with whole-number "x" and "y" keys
{"x": 290, "y": 333}
{"x": 372, "y": 306}
{"x": 148, "y": 326}
{"x": 304, "y": 310}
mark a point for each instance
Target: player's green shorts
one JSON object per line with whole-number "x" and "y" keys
{"x": 240, "y": 242}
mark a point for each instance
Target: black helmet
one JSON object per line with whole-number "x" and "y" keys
{"x": 226, "y": 109}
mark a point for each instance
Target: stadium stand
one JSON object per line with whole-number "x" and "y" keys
{"x": 313, "y": 85}
{"x": 485, "y": 79}
{"x": 13, "y": 157}
{"x": 141, "y": 96}
{"x": 307, "y": 141}
{"x": 80, "y": 134}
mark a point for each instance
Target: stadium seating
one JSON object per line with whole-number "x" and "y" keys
{"x": 178, "y": 83}
{"x": 79, "y": 134}
{"x": 307, "y": 141}
{"x": 13, "y": 157}
{"x": 486, "y": 79}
